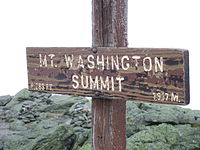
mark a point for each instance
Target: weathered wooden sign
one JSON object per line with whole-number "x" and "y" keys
{"x": 152, "y": 75}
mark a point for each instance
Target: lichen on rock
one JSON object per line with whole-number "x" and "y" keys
{"x": 41, "y": 121}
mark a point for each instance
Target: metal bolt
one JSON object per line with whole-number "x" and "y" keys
{"x": 94, "y": 50}
{"x": 97, "y": 93}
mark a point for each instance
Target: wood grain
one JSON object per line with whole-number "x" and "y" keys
{"x": 109, "y": 29}
{"x": 138, "y": 85}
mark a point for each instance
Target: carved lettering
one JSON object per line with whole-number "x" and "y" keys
{"x": 75, "y": 83}
{"x": 145, "y": 60}
{"x": 100, "y": 63}
{"x": 115, "y": 62}
{"x": 69, "y": 61}
{"x": 127, "y": 65}
{"x": 97, "y": 82}
{"x": 90, "y": 64}
{"x": 94, "y": 84}
{"x": 158, "y": 64}
{"x": 164, "y": 96}
{"x": 136, "y": 61}
{"x": 104, "y": 84}
{"x": 43, "y": 60}
{"x": 80, "y": 62}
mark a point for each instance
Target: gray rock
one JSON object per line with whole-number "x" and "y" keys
{"x": 87, "y": 146}
{"x": 49, "y": 123}
{"x": 33, "y": 120}
{"x": 59, "y": 102}
{"x": 57, "y": 138}
{"x": 39, "y": 121}
{"x": 1, "y": 145}
{"x": 81, "y": 114}
{"x": 39, "y": 95}
{"x": 165, "y": 137}
{"x": 5, "y": 100}
{"x": 83, "y": 135}
{"x": 144, "y": 114}
{"x": 62, "y": 138}
{"x": 24, "y": 94}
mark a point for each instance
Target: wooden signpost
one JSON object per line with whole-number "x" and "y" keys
{"x": 111, "y": 73}
{"x": 152, "y": 75}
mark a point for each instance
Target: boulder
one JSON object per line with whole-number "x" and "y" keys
{"x": 62, "y": 138}
{"x": 61, "y": 102}
{"x": 33, "y": 123}
{"x": 5, "y": 100}
{"x": 81, "y": 114}
{"x": 165, "y": 137}
{"x": 87, "y": 146}
{"x": 24, "y": 94}
{"x": 140, "y": 115}
{"x": 40, "y": 121}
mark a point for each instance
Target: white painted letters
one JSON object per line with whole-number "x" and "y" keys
{"x": 69, "y": 61}
{"x": 97, "y": 82}
{"x": 136, "y": 61}
{"x": 80, "y": 62}
{"x": 125, "y": 67}
{"x": 75, "y": 84}
{"x": 43, "y": 61}
{"x": 158, "y": 64}
{"x": 120, "y": 79}
{"x": 165, "y": 96}
{"x": 104, "y": 84}
{"x": 105, "y": 63}
{"x": 51, "y": 59}
{"x": 90, "y": 59}
{"x": 100, "y": 63}
{"x": 94, "y": 84}
{"x": 84, "y": 83}
{"x": 149, "y": 64}
{"x": 115, "y": 63}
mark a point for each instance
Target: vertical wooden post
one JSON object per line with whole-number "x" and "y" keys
{"x": 109, "y": 29}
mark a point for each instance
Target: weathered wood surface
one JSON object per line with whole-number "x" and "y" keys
{"x": 139, "y": 74}
{"x": 109, "y": 29}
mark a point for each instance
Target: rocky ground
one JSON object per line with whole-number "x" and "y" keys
{"x": 38, "y": 121}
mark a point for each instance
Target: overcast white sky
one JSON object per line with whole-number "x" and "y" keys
{"x": 67, "y": 23}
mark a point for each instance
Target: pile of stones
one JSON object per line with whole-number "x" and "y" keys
{"x": 80, "y": 115}
{"x": 41, "y": 121}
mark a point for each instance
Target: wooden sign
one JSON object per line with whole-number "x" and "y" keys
{"x": 139, "y": 74}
